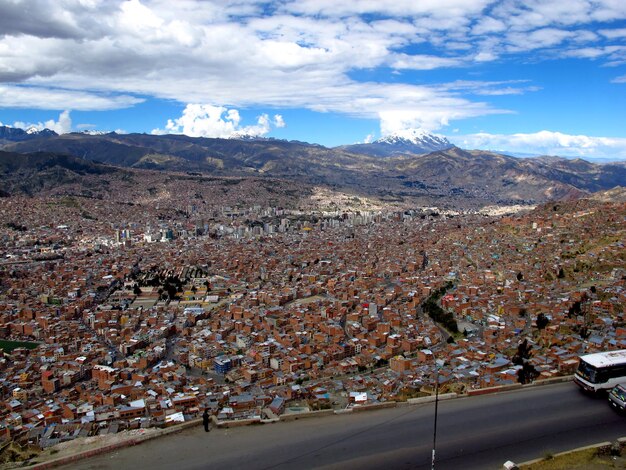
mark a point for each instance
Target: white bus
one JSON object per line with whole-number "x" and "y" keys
{"x": 601, "y": 371}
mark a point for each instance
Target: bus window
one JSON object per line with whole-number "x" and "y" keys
{"x": 587, "y": 371}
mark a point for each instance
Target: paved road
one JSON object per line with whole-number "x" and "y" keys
{"x": 473, "y": 433}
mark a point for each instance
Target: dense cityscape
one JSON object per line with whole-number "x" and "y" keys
{"x": 254, "y": 312}
{"x": 293, "y": 234}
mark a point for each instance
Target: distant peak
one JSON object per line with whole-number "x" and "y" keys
{"x": 32, "y": 130}
{"x": 93, "y": 132}
{"x": 17, "y": 134}
{"x": 414, "y": 136}
{"x": 239, "y": 136}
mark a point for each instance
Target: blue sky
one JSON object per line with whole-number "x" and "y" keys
{"x": 533, "y": 76}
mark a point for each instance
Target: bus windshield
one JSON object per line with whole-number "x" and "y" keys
{"x": 587, "y": 371}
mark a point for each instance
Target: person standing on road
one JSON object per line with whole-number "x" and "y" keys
{"x": 205, "y": 419}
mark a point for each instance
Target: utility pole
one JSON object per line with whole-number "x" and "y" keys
{"x": 435, "y": 426}
{"x": 436, "y": 409}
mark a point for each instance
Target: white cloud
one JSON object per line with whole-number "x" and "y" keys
{"x": 261, "y": 128}
{"x": 609, "y": 10}
{"x": 620, "y": 79}
{"x": 613, "y": 33}
{"x": 422, "y": 62}
{"x": 438, "y": 8}
{"x": 488, "y": 25}
{"x": 200, "y": 120}
{"x": 616, "y": 55}
{"x": 531, "y": 14}
{"x": 491, "y": 88}
{"x": 187, "y": 55}
{"x": 102, "y": 54}
{"x": 279, "y": 121}
{"x": 546, "y": 143}
{"x": 427, "y": 118}
{"x": 203, "y": 120}
{"x": 538, "y": 39}
{"x": 62, "y": 126}
{"x": 507, "y": 91}
{"x": 12, "y": 96}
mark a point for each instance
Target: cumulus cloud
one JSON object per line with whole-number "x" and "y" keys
{"x": 203, "y": 120}
{"x": 261, "y": 128}
{"x": 547, "y": 143}
{"x": 62, "y": 126}
{"x": 392, "y": 122}
{"x": 279, "y": 121}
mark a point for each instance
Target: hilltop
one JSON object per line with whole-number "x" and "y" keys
{"x": 447, "y": 177}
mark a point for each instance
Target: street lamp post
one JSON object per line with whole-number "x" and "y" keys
{"x": 436, "y": 409}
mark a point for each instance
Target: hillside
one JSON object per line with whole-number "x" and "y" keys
{"x": 447, "y": 177}
{"x": 36, "y": 172}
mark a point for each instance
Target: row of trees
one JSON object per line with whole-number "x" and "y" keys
{"x": 432, "y": 308}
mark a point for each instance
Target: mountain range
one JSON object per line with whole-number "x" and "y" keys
{"x": 15, "y": 134}
{"x": 414, "y": 168}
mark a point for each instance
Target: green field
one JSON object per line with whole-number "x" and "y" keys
{"x": 8, "y": 346}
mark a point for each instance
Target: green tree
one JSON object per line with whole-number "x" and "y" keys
{"x": 527, "y": 373}
{"x": 523, "y": 353}
{"x": 542, "y": 321}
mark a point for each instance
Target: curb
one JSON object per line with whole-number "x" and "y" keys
{"x": 375, "y": 406}
{"x": 308, "y": 414}
{"x": 238, "y": 422}
{"x": 507, "y": 388}
{"x": 443, "y": 396}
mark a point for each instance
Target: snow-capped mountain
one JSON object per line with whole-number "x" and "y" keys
{"x": 410, "y": 141}
{"x": 15, "y": 134}
{"x": 93, "y": 132}
{"x": 416, "y": 137}
{"x": 244, "y": 136}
